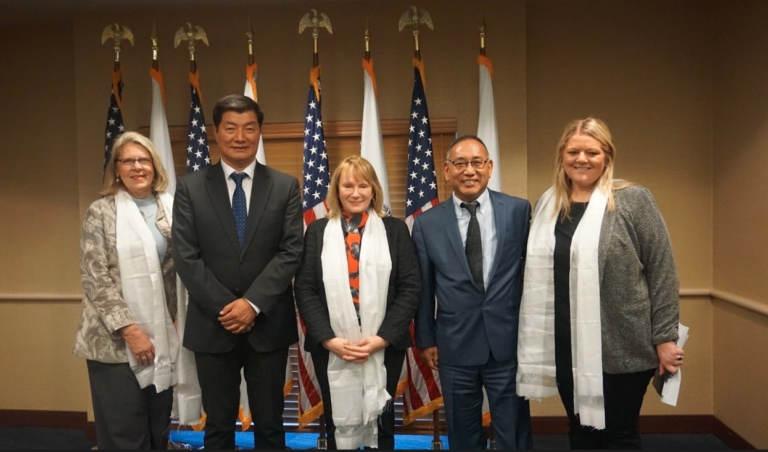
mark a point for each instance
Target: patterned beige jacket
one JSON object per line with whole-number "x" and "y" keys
{"x": 103, "y": 309}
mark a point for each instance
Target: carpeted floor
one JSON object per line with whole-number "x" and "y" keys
{"x": 33, "y": 438}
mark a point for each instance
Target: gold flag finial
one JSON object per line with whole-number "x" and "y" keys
{"x": 482, "y": 35}
{"x": 367, "y": 40}
{"x": 153, "y": 37}
{"x": 316, "y": 22}
{"x": 414, "y": 17}
{"x": 190, "y": 35}
{"x": 249, "y": 35}
{"x": 118, "y": 33}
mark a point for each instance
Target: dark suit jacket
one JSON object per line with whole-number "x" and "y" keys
{"x": 402, "y": 293}
{"x": 216, "y": 271}
{"x": 470, "y": 324}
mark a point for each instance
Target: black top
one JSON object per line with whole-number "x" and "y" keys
{"x": 402, "y": 293}
{"x": 564, "y": 230}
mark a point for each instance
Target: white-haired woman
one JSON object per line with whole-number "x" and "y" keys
{"x": 600, "y": 299}
{"x": 126, "y": 332}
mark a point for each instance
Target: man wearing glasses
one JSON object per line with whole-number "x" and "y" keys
{"x": 471, "y": 251}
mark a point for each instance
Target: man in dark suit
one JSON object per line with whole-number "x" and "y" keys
{"x": 471, "y": 251}
{"x": 237, "y": 232}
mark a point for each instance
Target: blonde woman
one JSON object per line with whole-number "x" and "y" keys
{"x": 610, "y": 315}
{"x": 126, "y": 332}
{"x": 357, "y": 290}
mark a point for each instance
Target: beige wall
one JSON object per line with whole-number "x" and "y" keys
{"x": 684, "y": 99}
{"x": 60, "y": 139}
{"x": 645, "y": 69}
{"x": 739, "y": 198}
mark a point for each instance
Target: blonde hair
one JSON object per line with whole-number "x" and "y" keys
{"x": 112, "y": 182}
{"x": 598, "y": 130}
{"x": 361, "y": 168}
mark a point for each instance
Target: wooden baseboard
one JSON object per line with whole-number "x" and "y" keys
{"x": 691, "y": 423}
{"x": 544, "y": 425}
{"x": 38, "y": 418}
{"x": 731, "y": 439}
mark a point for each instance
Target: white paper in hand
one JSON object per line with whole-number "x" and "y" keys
{"x": 668, "y": 385}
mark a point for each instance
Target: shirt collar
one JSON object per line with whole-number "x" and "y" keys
{"x": 228, "y": 170}
{"x": 484, "y": 200}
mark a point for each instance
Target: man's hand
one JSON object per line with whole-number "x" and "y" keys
{"x": 238, "y": 316}
{"x": 670, "y": 357}
{"x": 429, "y": 356}
{"x": 139, "y": 344}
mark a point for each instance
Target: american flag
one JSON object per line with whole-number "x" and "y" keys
{"x": 197, "y": 139}
{"x": 315, "y": 189}
{"x": 423, "y": 395}
{"x": 315, "y": 173}
{"x": 114, "y": 127}
{"x": 421, "y": 185}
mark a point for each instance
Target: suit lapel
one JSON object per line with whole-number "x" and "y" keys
{"x": 217, "y": 191}
{"x": 500, "y": 217}
{"x": 451, "y": 225}
{"x": 260, "y": 191}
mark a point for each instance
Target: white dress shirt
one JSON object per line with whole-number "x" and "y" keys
{"x": 247, "y": 182}
{"x": 487, "y": 229}
{"x": 247, "y": 185}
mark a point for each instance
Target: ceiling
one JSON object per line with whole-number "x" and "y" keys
{"x": 23, "y": 11}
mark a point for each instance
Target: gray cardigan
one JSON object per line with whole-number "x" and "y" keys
{"x": 639, "y": 289}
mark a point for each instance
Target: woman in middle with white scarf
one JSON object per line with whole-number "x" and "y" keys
{"x": 600, "y": 304}
{"x": 357, "y": 290}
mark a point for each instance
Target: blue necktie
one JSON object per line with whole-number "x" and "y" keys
{"x": 239, "y": 210}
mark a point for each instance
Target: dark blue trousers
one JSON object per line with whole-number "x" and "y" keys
{"x": 463, "y": 398}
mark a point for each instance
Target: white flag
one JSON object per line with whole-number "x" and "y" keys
{"x": 250, "y": 91}
{"x": 371, "y": 143}
{"x": 486, "y": 123}
{"x": 158, "y": 128}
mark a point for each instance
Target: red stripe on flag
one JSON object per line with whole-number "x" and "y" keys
{"x": 424, "y": 369}
{"x": 309, "y": 217}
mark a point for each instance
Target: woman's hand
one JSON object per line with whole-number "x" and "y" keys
{"x": 670, "y": 357}
{"x": 139, "y": 344}
{"x": 372, "y": 344}
{"x": 345, "y": 350}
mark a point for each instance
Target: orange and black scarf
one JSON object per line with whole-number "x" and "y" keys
{"x": 353, "y": 226}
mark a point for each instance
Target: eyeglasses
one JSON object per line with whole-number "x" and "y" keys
{"x": 461, "y": 165}
{"x": 143, "y": 161}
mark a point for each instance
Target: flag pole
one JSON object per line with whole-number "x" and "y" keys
{"x": 481, "y": 28}
{"x": 115, "y": 126}
{"x": 316, "y": 21}
{"x": 153, "y": 38}
{"x": 482, "y": 36}
{"x": 413, "y": 18}
{"x": 249, "y": 35}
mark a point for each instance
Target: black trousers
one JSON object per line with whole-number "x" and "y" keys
{"x": 128, "y": 417}
{"x": 623, "y": 395}
{"x": 393, "y": 363}
{"x": 219, "y": 376}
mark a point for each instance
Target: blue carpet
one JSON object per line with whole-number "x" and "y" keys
{"x": 297, "y": 441}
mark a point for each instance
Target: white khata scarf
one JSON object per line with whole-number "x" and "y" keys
{"x": 536, "y": 342}
{"x": 358, "y": 391}
{"x": 143, "y": 290}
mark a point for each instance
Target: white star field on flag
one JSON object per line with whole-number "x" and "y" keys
{"x": 316, "y": 177}
{"x": 114, "y": 127}
{"x": 421, "y": 184}
{"x": 197, "y": 138}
